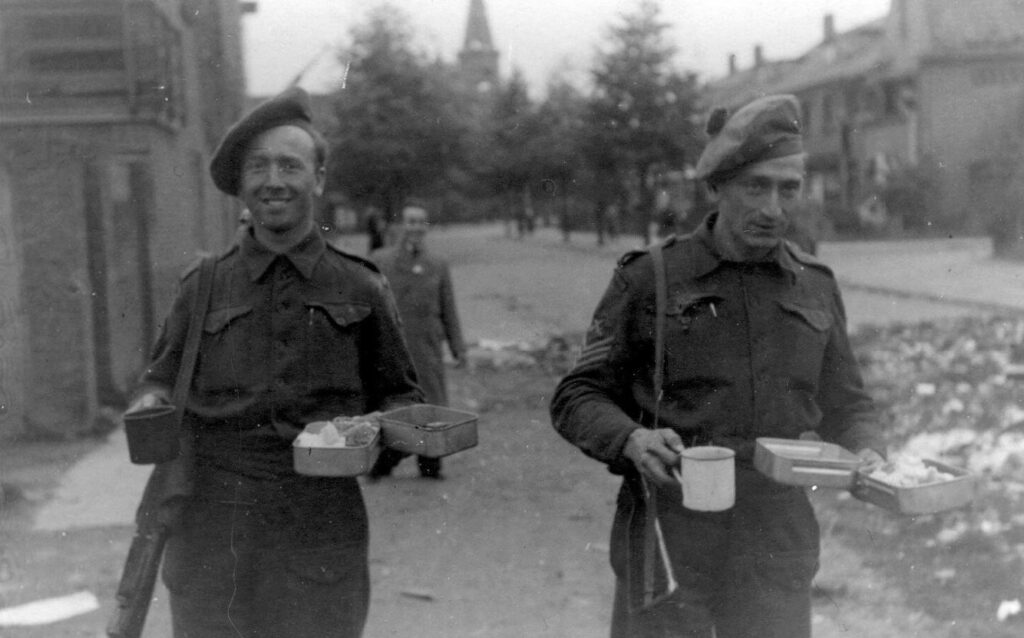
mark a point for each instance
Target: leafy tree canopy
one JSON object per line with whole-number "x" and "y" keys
{"x": 400, "y": 123}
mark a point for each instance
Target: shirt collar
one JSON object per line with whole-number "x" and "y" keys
{"x": 304, "y": 255}
{"x": 707, "y": 258}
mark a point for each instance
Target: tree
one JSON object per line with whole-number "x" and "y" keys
{"x": 559, "y": 155}
{"x": 400, "y": 127}
{"x": 640, "y": 115}
{"x": 511, "y": 152}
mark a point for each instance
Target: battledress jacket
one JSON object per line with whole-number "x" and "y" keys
{"x": 289, "y": 339}
{"x": 751, "y": 350}
{"x": 422, "y": 286}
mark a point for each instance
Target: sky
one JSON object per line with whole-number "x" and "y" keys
{"x": 287, "y": 37}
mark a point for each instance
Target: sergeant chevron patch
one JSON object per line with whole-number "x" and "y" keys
{"x": 594, "y": 352}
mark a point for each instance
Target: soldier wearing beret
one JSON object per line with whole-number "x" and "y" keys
{"x": 297, "y": 331}
{"x": 755, "y": 345}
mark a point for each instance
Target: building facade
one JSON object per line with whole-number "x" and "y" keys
{"x": 934, "y": 89}
{"x": 109, "y": 110}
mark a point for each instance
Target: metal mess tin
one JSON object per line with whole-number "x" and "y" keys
{"x": 428, "y": 430}
{"x": 336, "y": 461}
{"x": 805, "y": 463}
{"x": 926, "y": 498}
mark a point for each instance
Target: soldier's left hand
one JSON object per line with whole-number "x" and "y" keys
{"x": 870, "y": 458}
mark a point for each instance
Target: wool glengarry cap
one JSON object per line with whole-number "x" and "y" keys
{"x": 767, "y": 128}
{"x": 289, "y": 107}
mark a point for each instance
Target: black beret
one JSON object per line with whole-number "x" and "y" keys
{"x": 764, "y": 129}
{"x": 289, "y": 107}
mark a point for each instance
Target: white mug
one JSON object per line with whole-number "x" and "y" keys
{"x": 708, "y": 477}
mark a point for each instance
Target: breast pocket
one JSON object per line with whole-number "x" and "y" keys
{"x": 804, "y": 332}
{"x": 698, "y": 344}
{"x": 333, "y": 360}
{"x": 226, "y": 351}
{"x": 341, "y": 316}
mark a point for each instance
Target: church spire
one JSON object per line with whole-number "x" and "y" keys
{"x": 478, "y": 31}
{"x": 478, "y": 59}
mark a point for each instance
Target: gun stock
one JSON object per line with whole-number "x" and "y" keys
{"x": 138, "y": 579}
{"x": 160, "y": 506}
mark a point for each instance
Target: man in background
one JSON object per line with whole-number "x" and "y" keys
{"x": 422, "y": 285}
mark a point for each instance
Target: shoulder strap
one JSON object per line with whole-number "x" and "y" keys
{"x": 652, "y": 537}
{"x": 660, "y": 305}
{"x": 200, "y": 304}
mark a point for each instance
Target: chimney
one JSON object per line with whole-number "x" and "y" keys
{"x": 758, "y": 56}
{"x": 732, "y": 63}
{"x": 830, "y": 27}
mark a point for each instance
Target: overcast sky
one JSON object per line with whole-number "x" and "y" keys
{"x": 539, "y": 36}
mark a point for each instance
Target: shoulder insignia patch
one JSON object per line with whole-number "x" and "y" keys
{"x": 596, "y": 345}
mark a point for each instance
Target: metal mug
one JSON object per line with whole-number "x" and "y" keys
{"x": 708, "y": 478}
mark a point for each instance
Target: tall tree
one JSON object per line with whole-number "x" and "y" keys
{"x": 512, "y": 160}
{"x": 559, "y": 151}
{"x": 399, "y": 124}
{"x": 641, "y": 112}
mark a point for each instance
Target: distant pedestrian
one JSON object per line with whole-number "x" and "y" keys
{"x": 297, "y": 332}
{"x": 422, "y": 285}
{"x": 376, "y": 230}
{"x": 755, "y": 345}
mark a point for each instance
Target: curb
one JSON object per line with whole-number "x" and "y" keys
{"x": 990, "y": 306}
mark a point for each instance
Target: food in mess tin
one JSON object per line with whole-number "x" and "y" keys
{"x": 341, "y": 431}
{"x": 909, "y": 471}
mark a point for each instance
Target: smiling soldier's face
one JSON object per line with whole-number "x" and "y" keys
{"x": 280, "y": 180}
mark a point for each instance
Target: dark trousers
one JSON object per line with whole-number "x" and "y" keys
{"x": 743, "y": 573}
{"x": 264, "y": 560}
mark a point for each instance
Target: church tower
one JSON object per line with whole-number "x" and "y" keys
{"x": 478, "y": 59}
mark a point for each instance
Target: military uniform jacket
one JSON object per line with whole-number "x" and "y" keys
{"x": 422, "y": 286}
{"x": 751, "y": 350}
{"x": 288, "y": 339}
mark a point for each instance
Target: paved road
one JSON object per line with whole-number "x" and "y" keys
{"x": 511, "y": 290}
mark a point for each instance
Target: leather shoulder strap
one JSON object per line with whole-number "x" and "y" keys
{"x": 200, "y": 304}
{"x": 650, "y": 534}
{"x": 660, "y": 305}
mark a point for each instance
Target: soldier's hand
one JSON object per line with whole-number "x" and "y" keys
{"x": 869, "y": 458}
{"x": 654, "y": 453}
{"x": 148, "y": 400}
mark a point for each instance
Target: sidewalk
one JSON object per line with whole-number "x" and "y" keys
{"x": 957, "y": 271}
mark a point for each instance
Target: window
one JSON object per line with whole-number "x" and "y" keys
{"x": 828, "y": 113}
{"x": 62, "y": 48}
{"x": 891, "y": 97}
{"x": 101, "y": 53}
